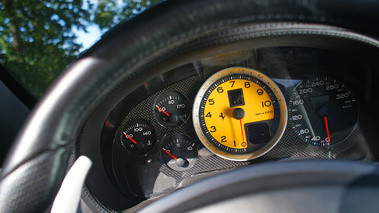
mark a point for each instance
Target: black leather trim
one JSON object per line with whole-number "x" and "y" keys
{"x": 27, "y": 190}
{"x": 121, "y": 53}
{"x": 17, "y": 88}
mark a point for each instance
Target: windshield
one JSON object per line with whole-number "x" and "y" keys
{"x": 39, "y": 39}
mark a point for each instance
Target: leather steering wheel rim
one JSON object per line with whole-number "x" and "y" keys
{"x": 36, "y": 164}
{"x": 292, "y": 186}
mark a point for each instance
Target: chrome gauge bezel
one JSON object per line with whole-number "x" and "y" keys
{"x": 264, "y": 79}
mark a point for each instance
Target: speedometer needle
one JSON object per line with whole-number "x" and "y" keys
{"x": 327, "y": 128}
{"x": 175, "y": 158}
{"x": 162, "y": 110}
{"x": 135, "y": 142}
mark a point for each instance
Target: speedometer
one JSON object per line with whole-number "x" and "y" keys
{"x": 239, "y": 114}
{"x": 323, "y": 111}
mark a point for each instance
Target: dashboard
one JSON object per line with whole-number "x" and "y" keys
{"x": 297, "y": 102}
{"x": 199, "y": 104}
{"x": 148, "y": 144}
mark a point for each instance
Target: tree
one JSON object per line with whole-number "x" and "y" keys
{"x": 37, "y": 39}
{"x": 108, "y": 13}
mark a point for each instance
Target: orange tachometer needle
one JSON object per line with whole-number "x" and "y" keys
{"x": 239, "y": 114}
{"x": 162, "y": 110}
{"x": 135, "y": 142}
{"x": 175, "y": 158}
{"x": 243, "y": 138}
{"x": 327, "y": 128}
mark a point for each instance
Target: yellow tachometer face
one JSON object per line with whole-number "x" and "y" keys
{"x": 239, "y": 114}
{"x": 219, "y": 119}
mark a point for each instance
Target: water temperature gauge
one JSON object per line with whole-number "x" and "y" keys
{"x": 138, "y": 136}
{"x": 171, "y": 109}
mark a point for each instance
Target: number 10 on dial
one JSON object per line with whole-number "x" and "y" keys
{"x": 239, "y": 113}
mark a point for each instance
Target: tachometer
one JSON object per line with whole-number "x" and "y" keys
{"x": 239, "y": 114}
{"x": 323, "y": 111}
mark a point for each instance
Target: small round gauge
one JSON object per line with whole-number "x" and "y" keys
{"x": 239, "y": 114}
{"x": 323, "y": 111}
{"x": 171, "y": 109}
{"x": 138, "y": 136}
{"x": 179, "y": 152}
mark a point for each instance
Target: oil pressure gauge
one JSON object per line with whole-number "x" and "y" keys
{"x": 239, "y": 114}
{"x": 171, "y": 109}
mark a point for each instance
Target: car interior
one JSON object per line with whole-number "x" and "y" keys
{"x": 207, "y": 106}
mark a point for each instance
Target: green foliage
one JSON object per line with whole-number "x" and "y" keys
{"x": 108, "y": 13}
{"x": 37, "y": 37}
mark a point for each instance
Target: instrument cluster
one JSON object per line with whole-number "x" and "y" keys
{"x": 205, "y": 118}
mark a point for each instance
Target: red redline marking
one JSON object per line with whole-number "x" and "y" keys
{"x": 135, "y": 142}
{"x": 243, "y": 138}
{"x": 169, "y": 154}
{"x": 162, "y": 110}
{"x": 327, "y": 128}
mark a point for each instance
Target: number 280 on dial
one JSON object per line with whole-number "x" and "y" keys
{"x": 239, "y": 113}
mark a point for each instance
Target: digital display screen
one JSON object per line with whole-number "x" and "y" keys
{"x": 236, "y": 98}
{"x": 320, "y": 99}
{"x": 258, "y": 133}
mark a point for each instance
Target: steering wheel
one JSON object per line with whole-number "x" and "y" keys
{"x": 37, "y": 162}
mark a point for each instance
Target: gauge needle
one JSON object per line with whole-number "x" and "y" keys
{"x": 162, "y": 110}
{"x": 327, "y": 128}
{"x": 135, "y": 142}
{"x": 243, "y": 138}
{"x": 170, "y": 154}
